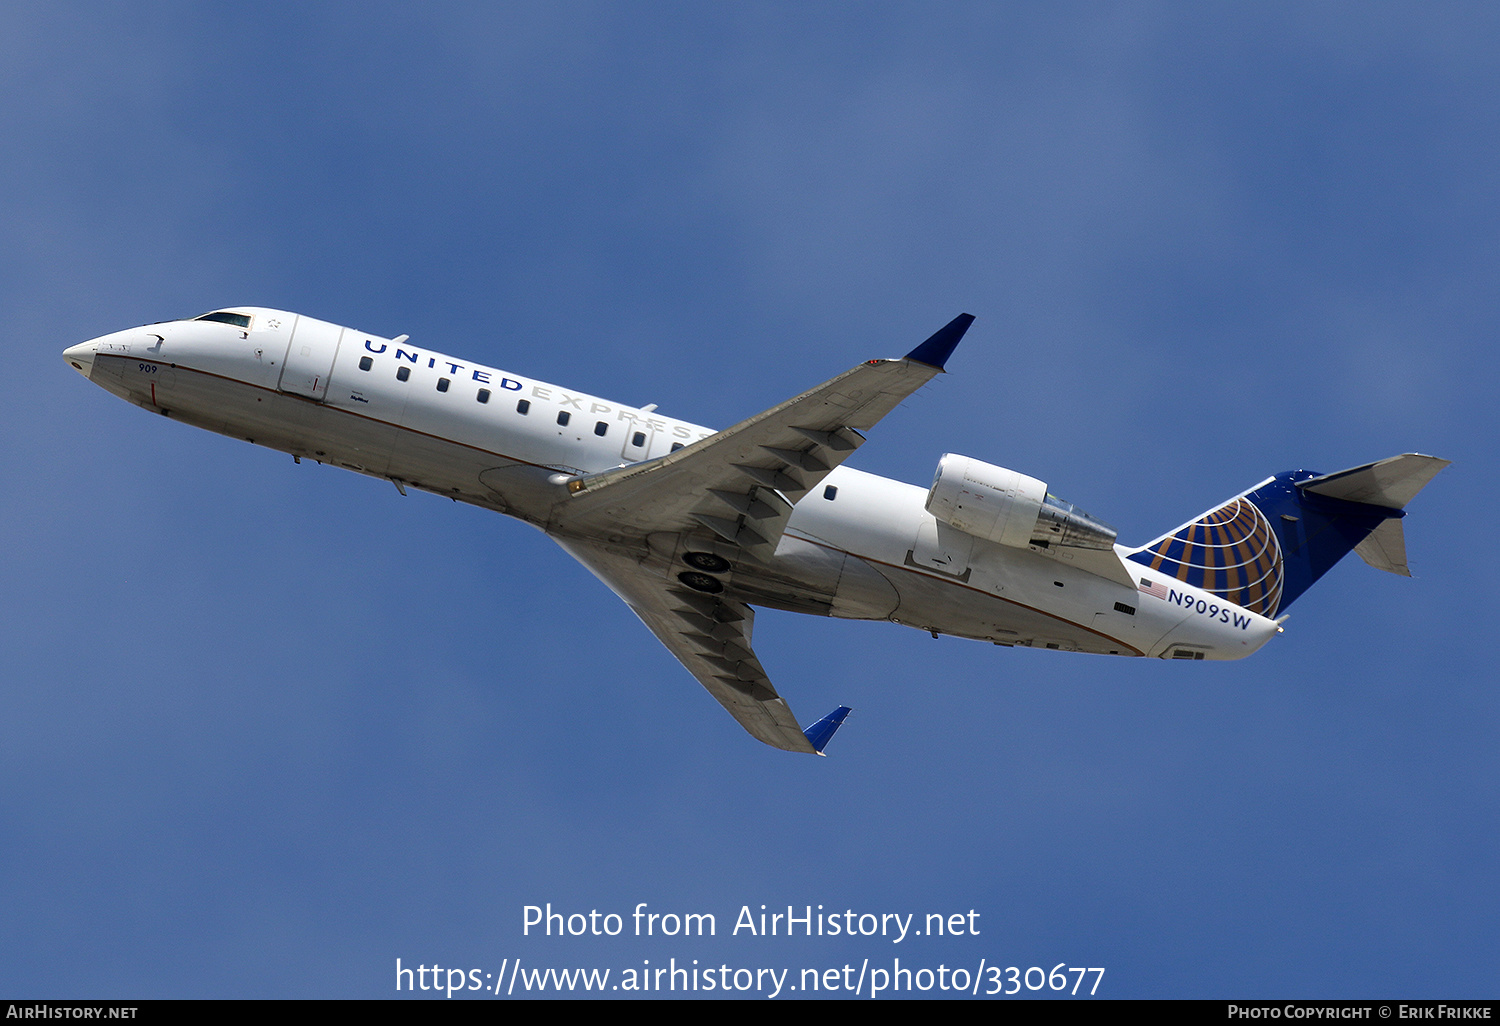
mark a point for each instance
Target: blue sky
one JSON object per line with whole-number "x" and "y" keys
{"x": 271, "y": 727}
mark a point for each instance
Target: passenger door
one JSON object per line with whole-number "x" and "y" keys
{"x": 309, "y": 358}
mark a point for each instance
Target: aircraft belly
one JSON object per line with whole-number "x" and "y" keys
{"x": 107, "y": 373}
{"x": 307, "y": 428}
{"x": 303, "y": 427}
{"x": 520, "y": 489}
{"x": 931, "y": 603}
{"x": 1196, "y": 636}
{"x": 802, "y": 578}
{"x": 441, "y": 466}
{"x": 864, "y": 593}
{"x": 145, "y": 382}
{"x": 212, "y": 402}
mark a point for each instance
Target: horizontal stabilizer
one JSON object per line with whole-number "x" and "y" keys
{"x": 1391, "y": 482}
{"x": 1385, "y": 548}
{"x": 820, "y": 733}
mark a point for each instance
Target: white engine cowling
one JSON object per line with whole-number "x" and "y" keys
{"x": 985, "y": 500}
{"x": 1008, "y": 507}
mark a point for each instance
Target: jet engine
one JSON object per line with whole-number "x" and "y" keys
{"x": 1010, "y": 508}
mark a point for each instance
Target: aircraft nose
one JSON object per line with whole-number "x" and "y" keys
{"x": 80, "y": 357}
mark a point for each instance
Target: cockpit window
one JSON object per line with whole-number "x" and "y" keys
{"x": 224, "y": 316}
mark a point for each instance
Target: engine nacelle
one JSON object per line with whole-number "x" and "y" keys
{"x": 1008, "y": 507}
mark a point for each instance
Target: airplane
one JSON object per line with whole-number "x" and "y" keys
{"x": 693, "y": 528}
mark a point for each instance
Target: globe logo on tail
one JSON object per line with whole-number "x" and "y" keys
{"x": 1231, "y": 552}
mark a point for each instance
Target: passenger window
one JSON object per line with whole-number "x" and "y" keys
{"x": 402, "y": 373}
{"x": 563, "y": 418}
{"x": 442, "y": 384}
{"x": 638, "y": 439}
{"x": 484, "y": 395}
{"x": 600, "y": 428}
{"x": 830, "y": 492}
{"x": 365, "y": 363}
{"x": 523, "y": 406}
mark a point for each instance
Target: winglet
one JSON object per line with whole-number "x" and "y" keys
{"x": 820, "y": 733}
{"x": 936, "y": 350}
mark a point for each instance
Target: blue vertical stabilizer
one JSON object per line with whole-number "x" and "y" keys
{"x": 1263, "y": 549}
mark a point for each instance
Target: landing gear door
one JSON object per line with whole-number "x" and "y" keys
{"x": 309, "y": 358}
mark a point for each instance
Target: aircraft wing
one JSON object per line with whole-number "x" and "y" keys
{"x": 741, "y": 483}
{"x": 710, "y": 635}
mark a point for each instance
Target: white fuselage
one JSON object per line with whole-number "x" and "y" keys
{"x": 859, "y": 546}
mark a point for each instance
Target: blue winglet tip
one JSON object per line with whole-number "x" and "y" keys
{"x": 820, "y": 733}
{"x": 936, "y": 350}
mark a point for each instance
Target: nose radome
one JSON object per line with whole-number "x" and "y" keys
{"x": 80, "y": 357}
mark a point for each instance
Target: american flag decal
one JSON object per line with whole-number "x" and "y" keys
{"x": 1154, "y": 590}
{"x": 1231, "y": 552}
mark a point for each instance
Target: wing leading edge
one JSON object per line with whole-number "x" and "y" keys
{"x": 741, "y": 484}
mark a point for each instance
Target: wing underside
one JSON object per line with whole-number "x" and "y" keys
{"x": 740, "y": 484}
{"x": 710, "y": 635}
